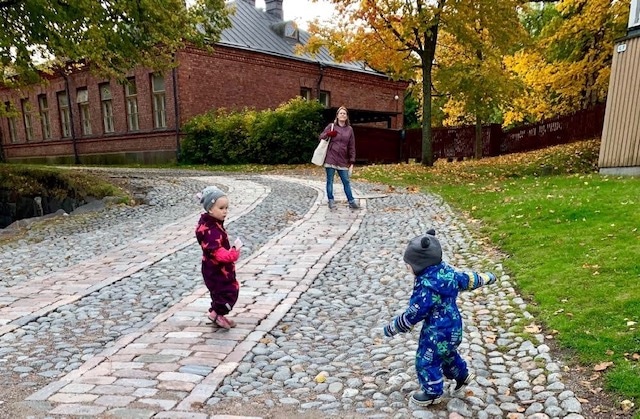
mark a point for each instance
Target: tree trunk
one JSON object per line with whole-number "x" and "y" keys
{"x": 427, "y": 150}
{"x": 429, "y": 42}
{"x": 478, "y": 151}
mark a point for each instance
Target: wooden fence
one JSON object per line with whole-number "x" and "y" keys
{"x": 379, "y": 145}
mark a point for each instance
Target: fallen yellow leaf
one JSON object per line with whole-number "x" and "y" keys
{"x": 603, "y": 366}
{"x": 626, "y": 405}
{"x": 532, "y": 328}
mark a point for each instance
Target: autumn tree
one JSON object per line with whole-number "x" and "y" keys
{"x": 469, "y": 63}
{"x": 400, "y": 38}
{"x": 568, "y": 66}
{"x": 111, "y": 36}
{"x": 395, "y": 37}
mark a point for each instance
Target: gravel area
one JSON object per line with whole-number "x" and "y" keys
{"x": 328, "y": 356}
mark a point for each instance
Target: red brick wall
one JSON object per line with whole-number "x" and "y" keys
{"x": 227, "y": 77}
{"x": 98, "y": 142}
{"x": 234, "y": 79}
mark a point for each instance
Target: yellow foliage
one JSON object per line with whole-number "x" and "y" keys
{"x": 568, "y": 68}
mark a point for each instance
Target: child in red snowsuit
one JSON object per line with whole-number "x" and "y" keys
{"x": 218, "y": 257}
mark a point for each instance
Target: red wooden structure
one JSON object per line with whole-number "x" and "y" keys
{"x": 379, "y": 145}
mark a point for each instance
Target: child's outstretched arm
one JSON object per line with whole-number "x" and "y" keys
{"x": 470, "y": 280}
{"x": 419, "y": 308}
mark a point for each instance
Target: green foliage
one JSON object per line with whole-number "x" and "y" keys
{"x": 111, "y": 36}
{"x": 567, "y": 65}
{"x": 217, "y": 137}
{"x": 59, "y": 183}
{"x": 412, "y": 112}
{"x": 287, "y": 134}
{"x": 536, "y": 18}
{"x": 470, "y": 62}
{"x": 572, "y": 238}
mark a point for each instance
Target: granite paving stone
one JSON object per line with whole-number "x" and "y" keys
{"x": 118, "y": 327}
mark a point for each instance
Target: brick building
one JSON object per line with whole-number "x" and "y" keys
{"x": 84, "y": 119}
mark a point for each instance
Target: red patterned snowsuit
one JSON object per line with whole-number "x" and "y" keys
{"x": 218, "y": 264}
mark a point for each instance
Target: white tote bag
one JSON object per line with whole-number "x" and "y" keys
{"x": 320, "y": 153}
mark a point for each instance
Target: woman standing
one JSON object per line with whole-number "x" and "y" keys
{"x": 341, "y": 155}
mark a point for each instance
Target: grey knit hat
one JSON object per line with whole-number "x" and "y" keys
{"x": 423, "y": 251}
{"x": 209, "y": 196}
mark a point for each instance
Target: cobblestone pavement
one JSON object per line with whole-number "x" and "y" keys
{"x": 103, "y": 314}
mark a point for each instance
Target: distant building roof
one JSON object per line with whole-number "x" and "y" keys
{"x": 256, "y": 30}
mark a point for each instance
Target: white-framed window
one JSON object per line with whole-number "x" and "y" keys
{"x": 26, "y": 118}
{"x": 634, "y": 14}
{"x": 159, "y": 101}
{"x": 13, "y": 129}
{"x": 11, "y": 121}
{"x": 43, "y": 105}
{"x": 324, "y": 98}
{"x": 82, "y": 99}
{"x": 291, "y": 30}
{"x": 107, "y": 108}
{"x": 65, "y": 116}
{"x": 305, "y": 93}
{"x": 131, "y": 98}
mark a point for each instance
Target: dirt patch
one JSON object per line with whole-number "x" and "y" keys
{"x": 588, "y": 387}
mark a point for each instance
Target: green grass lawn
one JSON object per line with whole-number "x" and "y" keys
{"x": 572, "y": 240}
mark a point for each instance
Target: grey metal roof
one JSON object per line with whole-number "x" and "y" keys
{"x": 253, "y": 29}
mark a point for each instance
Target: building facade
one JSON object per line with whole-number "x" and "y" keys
{"x": 79, "y": 118}
{"x": 620, "y": 147}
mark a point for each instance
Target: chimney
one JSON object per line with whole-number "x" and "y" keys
{"x": 274, "y": 8}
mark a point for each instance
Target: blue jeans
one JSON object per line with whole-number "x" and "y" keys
{"x": 344, "y": 177}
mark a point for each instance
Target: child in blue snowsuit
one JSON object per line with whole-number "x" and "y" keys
{"x": 433, "y": 302}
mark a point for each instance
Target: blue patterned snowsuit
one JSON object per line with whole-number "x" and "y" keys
{"x": 434, "y": 301}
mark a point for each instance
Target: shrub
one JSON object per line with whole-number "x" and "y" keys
{"x": 216, "y": 137}
{"x": 286, "y": 135}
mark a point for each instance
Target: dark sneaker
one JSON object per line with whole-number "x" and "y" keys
{"x": 460, "y": 384}
{"x": 332, "y": 204}
{"x": 354, "y": 205}
{"x": 423, "y": 399}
